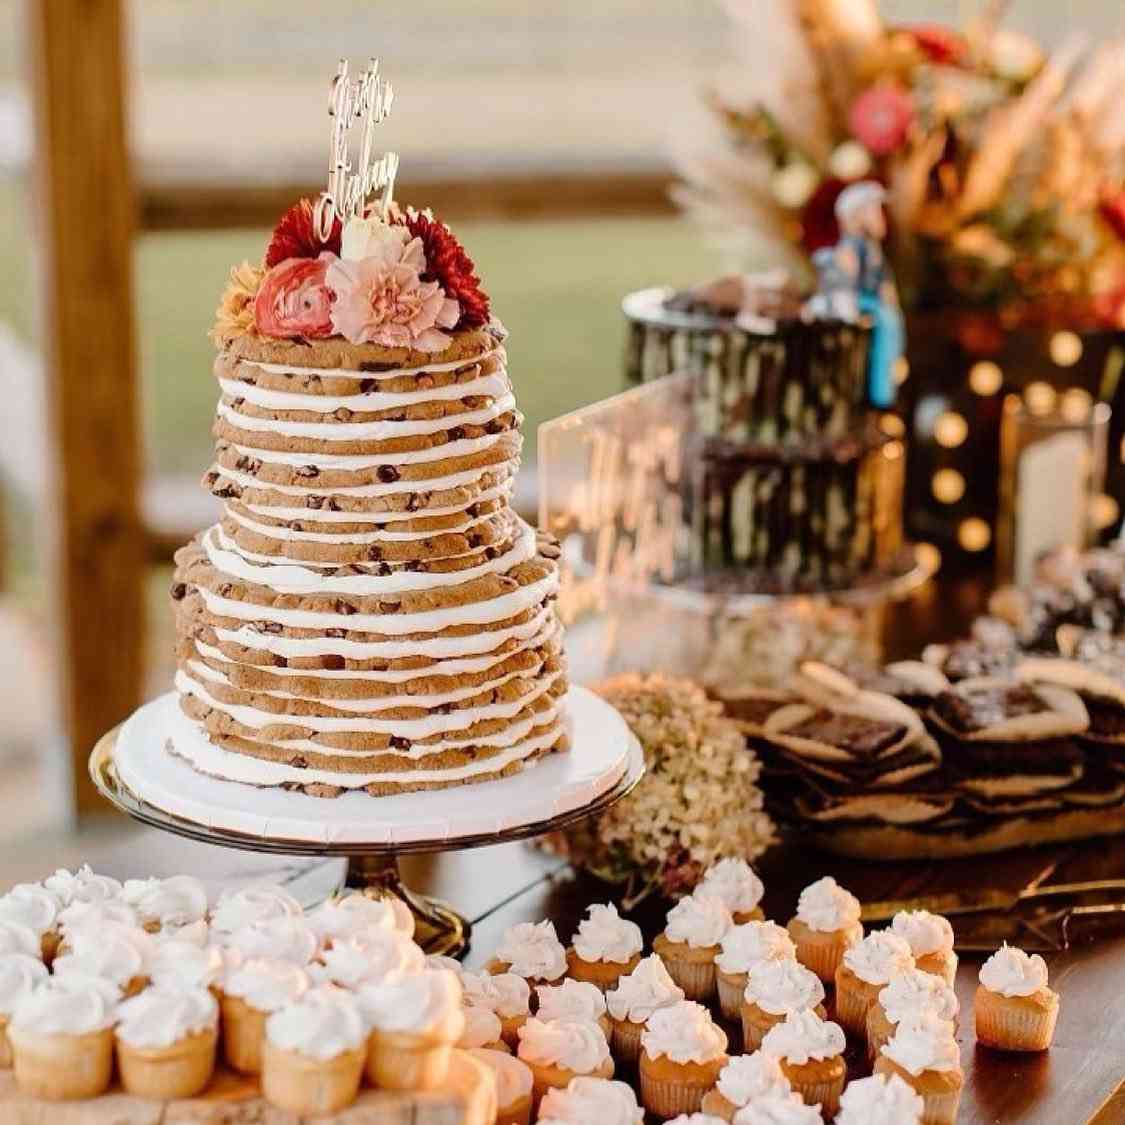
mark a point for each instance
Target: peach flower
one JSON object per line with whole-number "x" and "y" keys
{"x": 294, "y": 300}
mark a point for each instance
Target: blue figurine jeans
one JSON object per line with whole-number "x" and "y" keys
{"x": 887, "y": 342}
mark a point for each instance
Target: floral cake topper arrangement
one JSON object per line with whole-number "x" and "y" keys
{"x": 369, "y": 271}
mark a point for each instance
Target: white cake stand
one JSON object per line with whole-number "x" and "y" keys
{"x": 142, "y": 768}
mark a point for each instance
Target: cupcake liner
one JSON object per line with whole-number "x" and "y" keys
{"x": 878, "y": 1031}
{"x": 1013, "y": 1027}
{"x": 626, "y": 1041}
{"x": 244, "y": 1032}
{"x": 731, "y": 987}
{"x": 826, "y": 1094}
{"x": 717, "y": 1106}
{"x": 754, "y": 1028}
{"x": 164, "y": 1074}
{"x": 822, "y": 957}
{"x": 696, "y": 978}
{"x": 397, "y": 1062}
{"x": 62, "y": 1067}
{"x": 852, "y": 1002}
{"x": 670, "y": 1099}
{"x": 306, "y": 1086}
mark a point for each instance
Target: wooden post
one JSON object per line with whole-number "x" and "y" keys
{"x": 87, "y": 211}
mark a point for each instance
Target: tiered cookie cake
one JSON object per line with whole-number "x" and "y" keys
{"x": 369, "y": 612}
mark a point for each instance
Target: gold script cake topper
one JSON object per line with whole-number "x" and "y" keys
{"x": 365, "y": 99}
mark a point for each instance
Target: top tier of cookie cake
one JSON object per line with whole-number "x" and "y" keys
{"x": 369, "y": 612}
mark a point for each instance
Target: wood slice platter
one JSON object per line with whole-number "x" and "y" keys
{"x": 233, "y": 1099}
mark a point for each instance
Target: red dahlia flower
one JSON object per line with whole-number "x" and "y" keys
{"x": 295, "y": 236}
{"x": 940, "y": 44}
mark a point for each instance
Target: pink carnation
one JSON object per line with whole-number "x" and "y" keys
{"x": 881, "y": 118}
{"x": 382, "y": 299}
{"x": 294, "y": 300}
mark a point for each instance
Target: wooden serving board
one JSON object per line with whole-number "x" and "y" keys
{"x": 232, "y": 1099}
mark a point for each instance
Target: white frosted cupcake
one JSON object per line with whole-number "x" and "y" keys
{"x": 257, "y": 903}
{"x": 166, "y": 1042}
{"x": 15, "y": 937}
{"x": 825, "y": 926}
{"x": 683, "y": 1051}
{"x": 880, "y": 1100}
{"x": 924, "y": 1054}
{"x": 312, "y": 1060}
{"x": 605, "y": 948}
{"x": 645, "y": 990}
{"x": 93, "y": 916}
{"x": 746, "y": 1079}
{"x": 20, "y": 975}
{"x": 573, "y": 1000}
{"x": 742, "y": 947}
{"x": 414, "y": 1021}
{"x": 482, "y": 1029}
{"x": 280, "y": 939}
{"x": 182, "y": 964}
{"x": 61, "y": 1037}
{"x": 114, "y": 952}
{"x": 734, "y": 881}
{"x": 367, "y": 958}
{"x": 930, "y": 937}
{"x": 531, "y": 950}
{"x": 506, "y": 994}
{"x": 773, "y": 990}
{"x": 82, "y": 885}
{"x": 691, "y": 941}
{"x": 251, "y": 991}
{"x": 33, "y": 907}
{"x": 866, "y": 968}
{"x": 166, "y": 904}
{"x": 811, "y": 1051}
{"x": 591, "y": 1101}
{"x": 353, "y": 913}
{"x": 904, "y": 998}
{"x": 513, "y": 1085}
{"x": 1014, "y": 1008}
{"x": 562, "y": 1050}
{"x": 777, "y": 1110}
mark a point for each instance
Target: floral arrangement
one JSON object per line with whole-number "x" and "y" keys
{"x": 1004, "y": 165}
{"x": 403, "y": 281}
{"x": 698, "y": 801}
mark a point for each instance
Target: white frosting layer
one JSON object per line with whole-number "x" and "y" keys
{"x": 776, "y": 1110}
{"x": 912, "y": 992}
{"x": 425, "y": 1003}
{"x": 571, "y": 1000}
{"x": 699, "y": 920}
{"x": 578, "y": 1046}
{"x": 266, "y": 985}
{"x": 178, "y": 901}
{"x": 603, "y": 935}
{"x": 482, "y": 1027}
{"x": 747, "y": 1078}
{"x": 283, "y": 939}
{"x": 95, "y": 914}
{"x": 744, "y": 946}
{"x": 591, "y": 1101}
{"x": 925, "y": 932}
{"x": 783, "y": 986}
{"x": 180, "y": 964}
{"x": 924, "y": 1043}
{"x": 684, "y": 1033}
{"x": 1011, "y": 972}
{"x": 322, "y": 1024}
{"x": 20, "y": 975}
{"x": 82, "y": 885}
{"x": 803, "y": 1036}
{"x": 513, "y": 1077}
{"x": 116, "y": 953}
{"x": 643, "y": 991}
{"x": 879, "y": 957}
{"x": 366, "y": 958}
{"x": 74, "y": 1005}
{"x": 825, "y": 906}
{"x": 30, "y": 905}
{"x": 734, "y": 881}
{"x": 533, "y": 949}
{"x": 256, "y": 903}
{"x": 15, "y": 937}
{"x": 880, "y": 1100}
{"x": 506, "y": 994}
{"x": 159, "y": 1017}
{"x": 351, "y": 914}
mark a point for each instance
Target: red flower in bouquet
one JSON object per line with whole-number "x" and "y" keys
{"x": 881, "y": 117}
{"x": 295, "y": 236}
{"x": 449, "y": 265}
{"x": 294, "y": 299}
{"x": 1111, "y": 207}
{"x": 818, "y": 219}
{"x": 940, "y": 44}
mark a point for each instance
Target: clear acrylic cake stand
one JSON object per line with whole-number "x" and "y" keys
{"x": 372, "y": 867}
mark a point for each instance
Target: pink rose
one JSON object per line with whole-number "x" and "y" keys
{"x": 881, "y": 117}
{"x": 382, "y": 299}
{"x": 294, "y": 299}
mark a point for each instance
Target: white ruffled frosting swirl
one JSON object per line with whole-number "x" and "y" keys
{"x": 699, "y": 920}
{"x": 283, "y": 939}
{"x": 826, "y": 907}
{"x": 747, "y": 1078}
{"x": 427, "y": 1003}
{"x": 15, "y": 937}
{"x": 913, "y": 992}
{"x": 367, "y": 958}
{"x": 261, "y": 902}
{"x": 113, "y": 952}
{"x": 576, "y": 1045}
{"x": 505, "y": 994}
{"x": 81, "y": 886}
{"x": 182, "y": 964}
{"x": 570, "y": 1000}
{"x": 1011, "y": 972}
{"x": 75, "y": 1005}
{"x": 323, "y": 1024}
{"x": 925, "y": 933}
{"x": 683, "y": 1032}
{"x": 482, "y": 1027}
{"x": 194, "y": 933}
{"x": 696, "y": 1119}
{"x": 159, "y": 1017}
{"x": 348, "y": 915}
{"x": 803, "y": 1036}
{"x": 778, "y": 1110}
{"x": 533, "y": 949}
{"x": 879, "y": 957}
{"x": 178, "y": 901}
{"x": 924, "y": 1043}
{"x": 603, "y": 935}
{"x": 735, "y": 882}
{"x": 783, "y": 986}
{"x": 266, "y": 985}
{"x": 82, "y": 915}
{"x": 441, "y": 961}
{"x": 591, "y": 1101}
{"x": 20, "y": 975}
{"x": 30, "y": 905}
{"x": 744, "y": 946}
{"x": 645, "y": 990}
{"x": 513, "y": 1077}
{"x": 880, "y": 1100}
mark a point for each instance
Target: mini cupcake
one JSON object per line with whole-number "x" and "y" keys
{"x": 562, "y": 1050}
{"x": 734, "y": 881}
{"x": 181, "y": 964}
{"x": 482, "y": 1029}
{"x": 280, "y": 939}
{"x": 778, "y": 1110}
{"x": 166, "y": 1042}
{"x": 506, "y": 994}
{"x": 531, "y": 950}
{"x": 15, "y": 937}
{"x": 61, "y": 1037}
{"x": 882, "y": 1099}
{"x": 166, "y": 904}
{"x": 312, "y": 1059}
{"x": 573, "y": 1000}
{"x": 826, "y": 924}
{"x": 773, "y": 990}
{"x": 80, "y": 915}
{"x": 605, "y": 948}
{"x": 1014, "y": 1008}
{"x": 37, "y": 909}
{"x": 645, "y": 990}
{"x": 513, "y": 1085}
{"x": 746, "y": 1079}
{"x": 415, "y": 1021}
{"x": 811, "y": 1051}
{"x": 591, "y": 1101}
{"x": 904, "y": 998}
{"x": 691, "y": 941}
{"x": 866, "y": 968}
{"x": 367, "y": 958}
{"x": 82, "y": 885}
{"x": 20, "y": 975}
{"x": 352, "y": 914}
{"x": 250, "y": 993}
{"x": 114, "y": 952}
{"x": 742, "y": 948}
{"x": 924, "y": 1054}
{"x": 683, "y": 1051}
{"x": 930, "y": 937}
{"x": 257, "y": 903}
